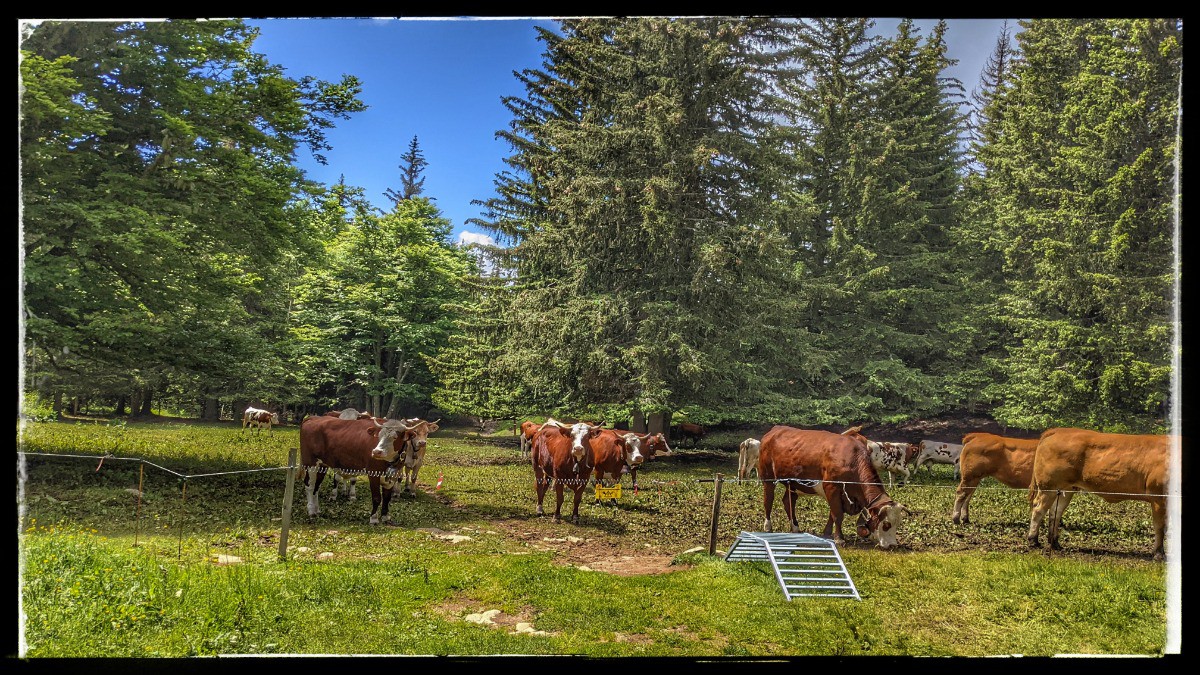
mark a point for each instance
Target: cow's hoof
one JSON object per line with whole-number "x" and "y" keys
{"x": 839, "y": 542}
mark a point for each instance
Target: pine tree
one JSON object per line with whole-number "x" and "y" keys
{"x": 411, "y": 181}
{"x": 1081, "y": 179}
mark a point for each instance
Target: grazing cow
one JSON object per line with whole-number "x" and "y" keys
{"x": 938, "y": 452}
{"x": 414, "y": 451}
{"x": 1115, "y": 466}
{"x": 329, "y": 443}
{"x": 259, "y": 419}
{"x": 748, "y": 458}
{"x": 694, "y": 432}
{"x": 562, "y": 455}
{"x": 843, "y": 466}
{"x": 1008, "y": 460}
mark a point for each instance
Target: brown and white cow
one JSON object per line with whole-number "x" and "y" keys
{"x": 842, "y": 465}
{"x": 748, "y": 458}
{"x": 615, "y": 452}
{"x": 1117, "y": 467}
{"x": 1008, "y": 460}
{"x": 344, "y": 484}
{"x": 414, "y": 451}
{"x": 889, "y": 456}
{"x": 653, "y": 445}
{"x": 938, "y": 452}
{"x": 561, "y": 455}
{"x": 258, "y": 419}
{"x": 358, "y": 446}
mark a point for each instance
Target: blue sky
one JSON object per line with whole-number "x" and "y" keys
{"x": 442, "y": 80}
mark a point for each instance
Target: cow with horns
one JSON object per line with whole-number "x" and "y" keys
{"x": 841, "y": 464}
{"x": 354, "y": 446}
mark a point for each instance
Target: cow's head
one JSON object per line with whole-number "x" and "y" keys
{"x": 580, "y": 432}
{"x": 420, "y": 436}
{"x": 389, "y": 432}
{"x": 655, "y": 445}
{"x": 632, "y": 449}
{"x": 881, "y": 523}
{"x": 274, "y": 418}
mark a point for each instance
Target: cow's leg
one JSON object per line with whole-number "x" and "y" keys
{"x": 558, "y": 500}
{"x": 540, "y": 483}
{"x": 376, "y": 499}
{"x": 833, "y": 526}
{"x": 904, "y": 470}
{"x": 1158, "y": 514}
{"x": 1042, "y": 502}
{"x": 768, "y": 500}
{"x": 580, "y": 484}
{"x": 388, "y": 491}
{"x": 312, "y": 482}
{"x": 411, "y": 486}
{"x": 1060, "y": 506}
{"x": 791, "y": 491}
{"x": 962, "y": 500}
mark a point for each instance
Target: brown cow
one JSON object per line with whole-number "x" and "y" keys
{"x": 843, "y": 465}
{"x": 353, "y": 446}
{"x": 562, "y": 455}
{"x": 1008, "y": 460}
{"x": 527, "y": 430}
{"x": 1115, "y": 466}
{"x": 694, "y": 432}
{"x": 653, "y": 445}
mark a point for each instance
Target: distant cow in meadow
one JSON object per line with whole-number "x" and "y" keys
{"x": 693, "y": 432}
{"x": 938, "y": 452}
{"x": 254, "y": 417}
{"x": 748, "y": 458}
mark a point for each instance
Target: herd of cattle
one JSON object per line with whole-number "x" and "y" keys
{"x": 1053, "y": 467}
{"x": 845, "y": 467}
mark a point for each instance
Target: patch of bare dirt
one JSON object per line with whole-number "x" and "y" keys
{"x": 590, "y": 550}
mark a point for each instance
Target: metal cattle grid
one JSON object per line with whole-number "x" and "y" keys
{"x": 804, "y": 564}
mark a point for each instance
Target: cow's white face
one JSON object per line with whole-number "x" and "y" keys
{"x": 420, "y": 439}
{"x": 579, "y": 433}
{"x": 274, "y": 418}
{"x": 633, "y": 450}
{"x": 884, "y": 532}
{"x": 388, "y": 433}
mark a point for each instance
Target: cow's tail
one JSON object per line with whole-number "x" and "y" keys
{"x": 1033, "y": 491}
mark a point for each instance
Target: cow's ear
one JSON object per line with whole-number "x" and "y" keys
{"x": 863, "y": 532}
{"x": 433, "y": 426}
{"x": 373, "y": 431}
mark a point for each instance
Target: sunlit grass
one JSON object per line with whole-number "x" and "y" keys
{"x": 349, "y": 587}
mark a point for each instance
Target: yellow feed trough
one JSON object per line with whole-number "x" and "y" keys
{"x": 613, "y": 492}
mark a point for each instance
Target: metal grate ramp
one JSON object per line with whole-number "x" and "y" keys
{"x": 804, "y": 564}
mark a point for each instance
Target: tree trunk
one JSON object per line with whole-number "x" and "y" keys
{"x": 212, "y": 409}
{"x": 639, "y": 422}
{"x": 147, "y": 393}
{"x": 58, "y": 403}
{"x": 75, "y": 405}
{"x": 656, "y": 424}
{"x": 401, "y": 374}
{"x": 120, "y": 406}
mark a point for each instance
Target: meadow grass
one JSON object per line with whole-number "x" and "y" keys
{"x": 346, "y": 587}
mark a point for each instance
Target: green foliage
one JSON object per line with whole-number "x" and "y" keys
{"x": 1080, "y": 182}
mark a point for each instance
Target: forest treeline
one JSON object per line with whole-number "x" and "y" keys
{"x": 724, "y": 220}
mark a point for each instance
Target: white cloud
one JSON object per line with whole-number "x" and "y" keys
{"x": 475, "y": 238}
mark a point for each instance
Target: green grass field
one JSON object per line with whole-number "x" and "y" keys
{"x": 192, "y": 567}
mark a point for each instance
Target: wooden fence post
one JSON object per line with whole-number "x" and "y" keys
{"x": 289, "y": 486}
{"x": 716, "y": 513}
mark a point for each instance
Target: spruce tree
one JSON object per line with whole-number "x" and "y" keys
{"x": 411, "y": 181}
